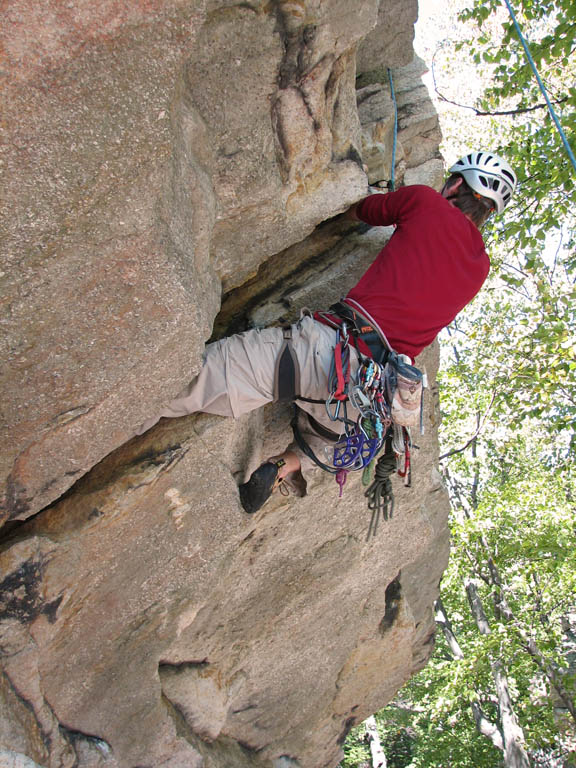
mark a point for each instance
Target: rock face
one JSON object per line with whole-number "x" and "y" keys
{"x": 175, "y": 169}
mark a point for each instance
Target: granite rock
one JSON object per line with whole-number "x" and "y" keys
{"x": 176, "y": 170}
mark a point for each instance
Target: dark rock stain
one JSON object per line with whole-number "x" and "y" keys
{"x": 16, "y": 502}
{"x": 349, "y": 723}
{"x": 167, "y": 667}
{"x": 50, "y": 610}
{"x": 75, "y": 737}
{"x": 237, "y": 320}
{"x": 20, "y": 593}
{"x": 392, "y": 599}
{"x": 247, "y": 708}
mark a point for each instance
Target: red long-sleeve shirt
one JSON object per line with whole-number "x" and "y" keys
{"x": 434, "y": 264}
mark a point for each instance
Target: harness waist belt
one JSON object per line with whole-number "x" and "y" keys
{"x": 362, "y": 330}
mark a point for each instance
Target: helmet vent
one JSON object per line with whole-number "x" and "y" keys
{"x": 488, "y": 175}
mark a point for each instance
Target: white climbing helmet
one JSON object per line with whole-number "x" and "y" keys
{"x": 488, "y": 175}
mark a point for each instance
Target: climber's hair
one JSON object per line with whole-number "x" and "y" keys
{"x": 472, "y": 204}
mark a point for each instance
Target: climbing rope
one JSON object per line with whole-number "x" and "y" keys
{"x": 380, "y": 495}
{"x": 541, "y": 86}
{"x": 392, "y": 182}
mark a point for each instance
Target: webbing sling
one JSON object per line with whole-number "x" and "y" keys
{"x": 321, "y": 430}
{"x": 305, "y": 447}
{"x": 287, "y": 383}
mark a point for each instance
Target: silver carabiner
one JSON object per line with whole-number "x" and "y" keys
{"x": 333, "y": 416}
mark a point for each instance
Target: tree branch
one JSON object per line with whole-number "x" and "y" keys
{"x": 553, "y": 675}
{"x": 480, "y": 424}
{"x": 476, "y": 607}
{"x": 481, "y": 113}
{"x": 443, "y": 621}
{"x": 486, "y": 727}
{"x": 498, "y": 112}
{"x": 378, "y": 756}
{"x": 514, "y": 753}
{"x": 502, "y": 607}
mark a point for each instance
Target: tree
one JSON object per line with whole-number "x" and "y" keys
{"x": 506, "y": 735}
{"x": 514, "y": 553}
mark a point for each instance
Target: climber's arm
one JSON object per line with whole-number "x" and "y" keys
{"x": 352, "y": 213}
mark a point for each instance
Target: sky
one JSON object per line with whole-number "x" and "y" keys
{"x": 437, "y": 30}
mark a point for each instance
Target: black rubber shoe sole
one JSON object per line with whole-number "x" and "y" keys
{"x": 256, "y": 492}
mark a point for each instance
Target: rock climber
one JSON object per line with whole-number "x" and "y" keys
{"x": 433, "y": 265}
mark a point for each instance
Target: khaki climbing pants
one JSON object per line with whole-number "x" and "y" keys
{"x": 238, "y": 376}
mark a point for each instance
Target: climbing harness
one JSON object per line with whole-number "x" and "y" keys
{"x": 401, "y": 383}
{"x": 361, "y": 439}
{"x": 385, "y": 391}
{"x": 541, "y": 86}
{"x": 357, "y": 441}
{"x": 368, "y": 337}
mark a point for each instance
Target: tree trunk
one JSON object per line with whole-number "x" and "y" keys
{"x": 484, "y": 726}
{"x": 505, "y": 613}
{"x": 378, "y": 756}
{"x": 515, "y": 755}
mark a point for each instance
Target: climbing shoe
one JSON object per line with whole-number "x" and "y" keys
{"x": 256, "y": 492}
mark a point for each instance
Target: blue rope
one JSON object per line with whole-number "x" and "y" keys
{"x": 392, "y": 182}
{"x": 542, "y": 88}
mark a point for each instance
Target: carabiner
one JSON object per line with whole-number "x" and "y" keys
{"x": 335, "y": 415}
